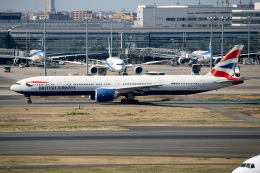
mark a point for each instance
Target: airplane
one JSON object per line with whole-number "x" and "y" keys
{"x": 251, "y": 165}
{"x": 196, "y": 57}
{"x": 37, "y": 56}
{"x": 115, "y": 64}
{"x": 108, "y": 88}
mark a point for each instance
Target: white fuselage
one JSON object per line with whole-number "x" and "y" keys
{"x": 251, "y": 165}
{"x": 115, "y": 64}
{"x": 86, "y": 85}
{"x": 201, "y": 56}
{"x": 37, "y": 56}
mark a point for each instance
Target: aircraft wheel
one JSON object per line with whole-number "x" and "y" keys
{"x": 136, "y": 101}
{"x": 123, "y": 101}
{"x": 29, "y": 101}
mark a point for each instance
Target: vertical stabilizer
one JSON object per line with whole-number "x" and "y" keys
{"x": 109, "y": 52}
{"x": 225, "y": 68}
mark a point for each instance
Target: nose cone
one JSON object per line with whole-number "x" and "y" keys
{"x": 15, "y": 88}
{"x": 122, "y": 68}
{"x": 12, "y": 88}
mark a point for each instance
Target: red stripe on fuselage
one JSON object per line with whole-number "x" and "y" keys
{"x": 37, "y": 82}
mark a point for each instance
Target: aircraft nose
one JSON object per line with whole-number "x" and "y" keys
{"x": 12, "y": 88}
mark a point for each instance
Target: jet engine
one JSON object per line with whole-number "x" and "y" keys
{"x": 93, "y": 69}
{"x": 16, "y": 61}
{"x": 104, "y": 95}
{"x": 206, "y": 58}
{"x": 181, "y": 60}
{"x": 138, "y": 70}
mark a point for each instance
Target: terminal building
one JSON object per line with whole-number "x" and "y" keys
{"x": 187, "y": 33}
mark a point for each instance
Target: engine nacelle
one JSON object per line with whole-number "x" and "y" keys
{"x": 138, "y": 70}
{"x": 181, "y": 60}
{"x": 16, "y": 61}
{"x": 93, "y": 69}
{"x": 105, "y": 95}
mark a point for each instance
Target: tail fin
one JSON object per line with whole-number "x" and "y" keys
{"x": 210, "y": 47}
{"x": 209, "y": 51}
{"x": 109, "y": 52}
{"x": 225, "y": 68}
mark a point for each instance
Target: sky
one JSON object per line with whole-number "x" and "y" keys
{"x": 100, "y": 5}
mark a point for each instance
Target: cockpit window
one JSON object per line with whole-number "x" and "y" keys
{"x": 248, "y": 165}
{"x": 17, "y": 83}
{"x": 243, "y": 165}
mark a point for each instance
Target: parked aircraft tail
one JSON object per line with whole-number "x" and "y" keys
{"x": 225, "y": 68}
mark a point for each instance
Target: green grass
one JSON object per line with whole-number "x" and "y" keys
{"x": 78, "y": 113}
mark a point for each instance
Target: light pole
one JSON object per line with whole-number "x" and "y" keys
{"x": 222, "y": 34}
{"x": 249, "y": 17}
{"x": 154, "y": 12}
{"x": 87, "y": 46}
{"x": 211, "y": 19}
{"x": 44, "y": 52}
{"x": 111, "y": 37}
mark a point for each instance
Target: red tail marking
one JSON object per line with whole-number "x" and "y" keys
{"x": 234, "y": 54}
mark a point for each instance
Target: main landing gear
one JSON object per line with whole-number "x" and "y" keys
{"x": 129, "y": 99}
{"x": 29, "y": 99}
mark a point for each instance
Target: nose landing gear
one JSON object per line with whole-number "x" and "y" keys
{"x": 29, "y": 98}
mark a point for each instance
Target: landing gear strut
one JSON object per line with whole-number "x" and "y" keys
{"x": 29, "y": 99}
{"x": 129, "y": 99}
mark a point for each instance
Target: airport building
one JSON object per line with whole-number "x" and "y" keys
{"x": 244, "y": 17}
{"x": 185, "y": 16}
{"x": 184, "y": 33}
{"x": 71, "y": 38}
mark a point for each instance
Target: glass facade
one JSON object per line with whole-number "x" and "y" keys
{"x": 75, "y": 42}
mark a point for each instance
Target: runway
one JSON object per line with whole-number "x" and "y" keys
{"x": 137, "y": 141}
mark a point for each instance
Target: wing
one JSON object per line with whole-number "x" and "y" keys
{"x": 82, "y": 63}
{"x": 52, "y": 56}
{"x": 11, "y": 56}
{"x": 136, "y": 89}
{"x": 147, "y": 63}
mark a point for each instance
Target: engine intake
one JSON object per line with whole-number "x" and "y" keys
{"x": 181, "y": 60}
{"x": 138, "y": 70}
{"x": 93, "y": 70}
{"x": 104, "y": 95}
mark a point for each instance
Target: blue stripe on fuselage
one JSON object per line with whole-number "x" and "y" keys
{"x": 108, "y": 65}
